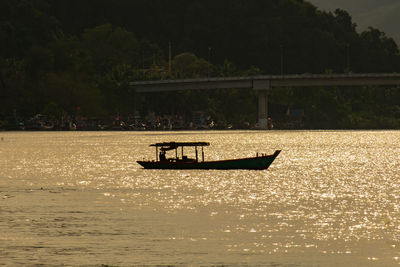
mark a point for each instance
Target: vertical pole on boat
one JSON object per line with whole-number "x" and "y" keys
{"x": 202, "y": 153}
{"x": 176, "y": 153}
{"x": 156, "y": 153}
{"x": 182, "y": 152}
{"x": 197, "y": 157}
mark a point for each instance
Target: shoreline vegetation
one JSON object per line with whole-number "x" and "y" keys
{"x": 168, "y": 123}
{"x": 61, "y": 73}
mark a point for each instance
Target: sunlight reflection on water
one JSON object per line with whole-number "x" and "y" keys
{"x": 330, "y": 197}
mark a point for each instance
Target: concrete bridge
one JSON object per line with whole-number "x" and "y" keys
{"x": 262, "y": 84}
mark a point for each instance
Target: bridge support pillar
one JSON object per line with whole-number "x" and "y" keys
{"x": 263, "y": 109}
{"x": 262, "y": 87}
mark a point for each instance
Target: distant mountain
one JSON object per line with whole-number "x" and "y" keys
{"x": 381, "y": 14}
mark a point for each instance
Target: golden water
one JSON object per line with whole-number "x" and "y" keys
{"x": 331, "y": 198}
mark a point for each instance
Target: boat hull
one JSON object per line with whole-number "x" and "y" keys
{"x": 256, "y": 163}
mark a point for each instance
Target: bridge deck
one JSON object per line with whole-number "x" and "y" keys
{"x": 265, "y": 82}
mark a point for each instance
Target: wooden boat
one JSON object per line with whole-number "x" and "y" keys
{"x": 261, "y": 162}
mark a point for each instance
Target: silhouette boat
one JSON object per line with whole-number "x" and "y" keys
{"x": 259, "y": 162}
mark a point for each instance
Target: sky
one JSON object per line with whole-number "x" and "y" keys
{"x": 381, "y": 14}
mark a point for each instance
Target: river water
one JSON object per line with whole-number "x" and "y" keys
{"x": 331, "y": 198}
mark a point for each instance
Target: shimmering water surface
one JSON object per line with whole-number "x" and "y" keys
{"x": 331, "y": 198}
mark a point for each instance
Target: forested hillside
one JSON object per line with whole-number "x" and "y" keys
{"x": 382, "y": 14}
{"x": 67, "y": 57}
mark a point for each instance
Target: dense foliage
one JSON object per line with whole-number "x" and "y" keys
{"x": 67, "y": 57}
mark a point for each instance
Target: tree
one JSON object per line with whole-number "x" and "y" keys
{"x": 39, "y": 60}
{"x": 188, "y": 65}
{"x": 104, "y": 47}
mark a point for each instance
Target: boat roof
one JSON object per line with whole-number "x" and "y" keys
{"x": 179, "y": 144}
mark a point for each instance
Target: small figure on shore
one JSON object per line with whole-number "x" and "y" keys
{"x": 162, "y": 156}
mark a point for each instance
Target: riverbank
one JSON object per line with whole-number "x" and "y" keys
{"x": 151, "y": 122}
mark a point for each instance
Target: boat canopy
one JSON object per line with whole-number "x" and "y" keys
{"x": 175, "y": 145}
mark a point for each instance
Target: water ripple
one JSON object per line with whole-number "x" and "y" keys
{"x": 331, "y": 196}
